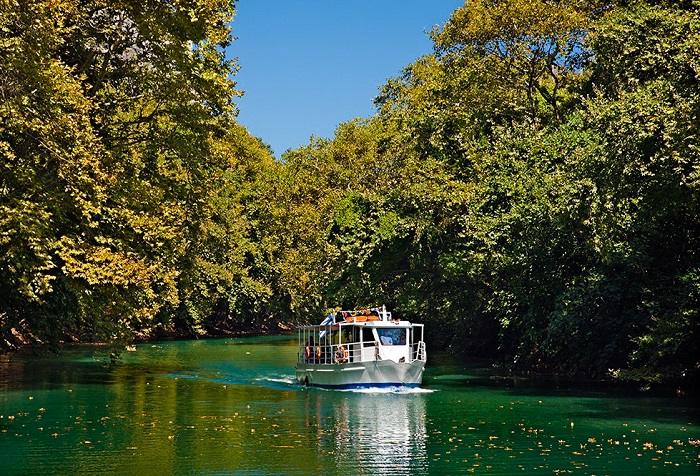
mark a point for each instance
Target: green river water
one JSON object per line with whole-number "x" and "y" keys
{"x": 231, "y": 406}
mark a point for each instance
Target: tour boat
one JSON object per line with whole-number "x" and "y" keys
{"x": 363, "y": 348}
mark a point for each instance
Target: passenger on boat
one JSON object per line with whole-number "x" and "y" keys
{"x": 341, "y": 355}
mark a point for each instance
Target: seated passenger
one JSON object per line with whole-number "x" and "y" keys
{"x": 341, "y": 355}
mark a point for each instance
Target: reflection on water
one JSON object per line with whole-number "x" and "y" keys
{"x": 369, "y": 432}
{"x": 231, "y": 406}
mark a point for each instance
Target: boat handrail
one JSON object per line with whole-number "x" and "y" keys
{"x": 419, "y": 351}
{"x": 345, "y": 352}
{"x": 329, "y": 354}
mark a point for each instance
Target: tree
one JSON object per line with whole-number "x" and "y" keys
{"x": 647, "y": 227}
{"x": 52, "y": 176}
{"x": 116, "y": 149}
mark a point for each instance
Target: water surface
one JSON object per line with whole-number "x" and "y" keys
{"x": 231, "y": 406}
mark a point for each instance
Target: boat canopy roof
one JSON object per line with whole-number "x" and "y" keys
{"x": 362, "y": 315}
{"x": 373, "y": 317}
{"x": 385, "y": 324}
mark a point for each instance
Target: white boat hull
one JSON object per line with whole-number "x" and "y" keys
{"x": 378, "y": 373}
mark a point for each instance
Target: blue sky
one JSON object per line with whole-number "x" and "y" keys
{"x": 308, "y": 65}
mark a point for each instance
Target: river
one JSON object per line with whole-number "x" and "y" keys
{"x": 231, "y": 406}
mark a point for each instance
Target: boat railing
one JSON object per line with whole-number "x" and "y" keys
{"x": 419, "y": 351}
{"x": 329, "y": 354}
{"x": 347, "y": 352}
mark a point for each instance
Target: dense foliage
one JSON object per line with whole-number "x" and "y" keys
{"x": 120, "y": 185}
{"x": 530, "y": 190}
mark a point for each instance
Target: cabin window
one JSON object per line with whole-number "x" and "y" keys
{"x": 367, "y": 337}
{"x": 392, "y": 336}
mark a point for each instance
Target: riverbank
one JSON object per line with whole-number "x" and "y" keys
{"x": 680, "y": 384}
{"x": 20, "y": 337}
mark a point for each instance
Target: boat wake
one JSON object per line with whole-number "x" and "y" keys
{"x": 279, "y": 383}
{"x": 287, "y": 382}
{"x": 399, "y": 390}
{"x": 291, "y": 382}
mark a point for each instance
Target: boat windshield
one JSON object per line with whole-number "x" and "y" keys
{"x": 392, "y": 336}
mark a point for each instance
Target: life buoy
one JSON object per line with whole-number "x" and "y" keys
{"x": 307, "y": 352}
{"x": 318, "y": 353}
